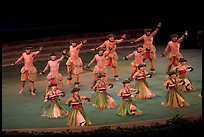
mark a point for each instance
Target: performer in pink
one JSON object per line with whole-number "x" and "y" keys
{"x": 174, "y": 46}
{"x": 112, "y": 57}
{"x": 28, "y": 71}
{"x": 128, "y": 106}
{"x": 74, "y": 62}
{"x": 100, "y": 67}
{"x": 181, "y": 70}
{"x": 139, "y": 59}
{"x": 141, "y": 84}
{"x": 174, "y": 99}
{"x": 54, "y": 108}
{"x": 54, "y": 74}
{"x": 77, "y": 116}
{"x": 148, "y": 47}
{"x": 102, "y": 98}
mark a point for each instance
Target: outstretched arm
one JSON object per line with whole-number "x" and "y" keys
{"x": 101, "y": 46}
{"x": 92, "y": 61}
{"x": 81, "y": 44}
{"x": 18, "y": 60}
{"x": 128, "y": 56}
{"x": 156, "y": 30}
{"x": 123, "y": 37}
{"x": 183, "y": 36}
{"x": 45, "y": 69}
{"x": 38, "y": 51}
{"x": 165, "y": 50}
{"x": 64, "y": 52}
{"x": 138, "y": 39}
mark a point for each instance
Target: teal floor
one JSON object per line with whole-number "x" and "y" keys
{"x": 23, "y": 111}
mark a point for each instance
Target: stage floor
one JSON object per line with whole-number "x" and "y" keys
{"x": 23, "y": 111}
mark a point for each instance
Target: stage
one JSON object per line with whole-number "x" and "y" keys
{"x": 21, "y": 112}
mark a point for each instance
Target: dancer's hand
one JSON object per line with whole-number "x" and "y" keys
{"x": 84, "y": 41}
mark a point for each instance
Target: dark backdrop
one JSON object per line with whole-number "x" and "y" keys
{"x": 21, "y": 27}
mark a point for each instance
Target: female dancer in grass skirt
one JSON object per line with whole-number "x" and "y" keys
{"x": 54, "y": 109}
{"x": 174, "y": 99}
{"x": 181, "y": 70}
{"x": 103, "y": 99}
{"x": 77, "y": 116}
{"x": 128, "y": 106}
{"x": 141, "y": 84}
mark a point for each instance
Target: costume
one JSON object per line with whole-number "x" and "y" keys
{"x": 74, "y": 66}
{"x": 142, "y": 85}
{"x": 128, "y": 106}
{"x": 174, "y": 99}
{"x": 77, "y": 115}
{"x": 54, "y": 108}
{"x": 102, "y": 98}
{"x": 28, "y": 74}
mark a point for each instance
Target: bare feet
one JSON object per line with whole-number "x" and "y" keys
{"x": 32, "y": 93}
{"x": 21, "y": 91}
{"x": 116, "y": 78}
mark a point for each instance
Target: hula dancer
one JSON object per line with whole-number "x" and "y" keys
{"x": 103, "y": 99}
{"x": 112, "y": 57}
{"x": 174, "y": 46}
{"x": 54, "y": 108}
{"x": 54, "y": 75}
{"x": 148, "y": 47}
{"x": 181, "y": 70}
{"x": 141, "y": 84}
{"x": 128, "y": 106}
{"x": 174, "y": 99}
{"x": 77, "y": 116}
{"x": 139, "y": 59}
{"x": 28, "y": 71}
{"x": 74, "y": 62}
{"x": 100, "y": 67}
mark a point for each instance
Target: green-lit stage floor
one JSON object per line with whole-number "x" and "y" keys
{"x": 23, "y": 111}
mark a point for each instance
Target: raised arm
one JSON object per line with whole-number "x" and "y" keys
{"x": 123, "y": 37}
{"x": 156, "y": 30}
{"x": 38, "y": 51}
{"x": 183, "y": 36}
{"x": 81, "y": 44}
{"x": 64, "y": 52}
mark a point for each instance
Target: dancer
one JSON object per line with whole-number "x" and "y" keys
{"x": 148, "y": 47}
{"x": 181, "y": 70}
{"x": 112, "y": 58}
{"x": 54, "y": 108}
{"x": 139, "y": 59}
{"x": 103, "y": 99}
{"x": 174, "y": 46}
{"x": 74, "y": 62}
{"x": 100, "y": 67}
{"x": 28, "y": 71}
{"x": 128, "y": 106}
{"x": 54, "y": 74}
{"x": 77, "y": 116}
{"x": 141, "y": 84}
{"x": 174, "y": 99}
